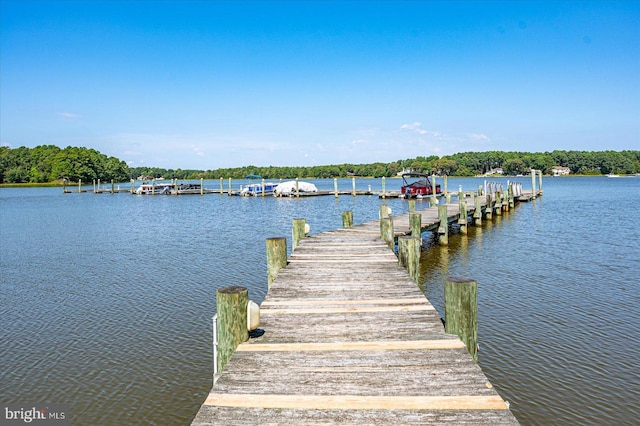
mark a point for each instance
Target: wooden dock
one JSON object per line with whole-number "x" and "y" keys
{"x": 349, "y": 338}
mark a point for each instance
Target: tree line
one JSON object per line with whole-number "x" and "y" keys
{"x": 49, "y": 163}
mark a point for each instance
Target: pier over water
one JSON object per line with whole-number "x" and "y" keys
{"x": 346, "y": 336}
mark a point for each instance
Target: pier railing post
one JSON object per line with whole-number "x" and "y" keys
{"x": 386, "y": 231}
{"x": 443, "y": 228}
{"x": 461, "y": 311}
{"x": 298, "y": 231}
{"x": 276, "y": 257}
{"x": 231, "y": 306}
{"x": 415, "y": 223}
{"x": 462, "y": 220}
{"x": 409, "y": 255}
{"x": 347, "y": 219}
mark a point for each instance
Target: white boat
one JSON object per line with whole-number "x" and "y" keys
{"x": 612, "y": 175}
{"x": 154, "y": 189}
{"x": 256, "y": 189}
{"x": 289, "y": 188}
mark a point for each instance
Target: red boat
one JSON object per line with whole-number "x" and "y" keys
{"x": 417, "y": 185}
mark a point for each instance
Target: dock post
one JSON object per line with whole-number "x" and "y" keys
{"x": 412, "y": 205}
{"x": 347, "y": 219}
{"x": 112, "y": 187}
{"x": 384, "y": 211}
{"x": 276, "y": 257}
{"x": 231, "y": 306}
{"x": 446, "y": 191}
{"x": 477, "y": 213}
{"x": 298, "y": 231}
{"x": 263, "y": 187}
{"x": 443, "y": 228}
{"x": 433, "y": 200}
{"x": 221, "y": 186}
{"x": 64, "y": 185}
{"x": 479, "y": 190}
{"x": 335, "y": 187}
{"x": 462, "y": 220}
{"x": 540, "y": 181}
{"x": 153, "y": 186}
{"x": 201, "y": 186}
{"x": 533, "y": 184}
{"x": 409, "y": 255}
{"x": 132, "y": 186}
{"x": 384, "y": 190}
{"x": 511, "y": 197}
{"x": 297, "y": 187}
{"x": 94, "y": 185}
{"x": 229, "y": 187}
{"x": 461, "y": 311}
{"x": 386, "y": 231}
{"x": 488, "y": 212}
{"x": 447, "y": 197}
{"x": 498, "y": 203}
{"x": 415, "y": 223}
{"x": 353, "y": 186}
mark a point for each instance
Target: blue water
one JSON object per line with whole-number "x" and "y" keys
{"x": 106, "y": 300}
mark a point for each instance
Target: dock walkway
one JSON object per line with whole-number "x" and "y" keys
{"x": 349, "y": 338}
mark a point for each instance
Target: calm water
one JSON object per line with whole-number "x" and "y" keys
{"x": 107, "y": 300}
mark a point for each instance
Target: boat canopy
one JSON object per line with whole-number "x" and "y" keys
{"x": 253, "y": 177}
{"x": 289, "y": 187}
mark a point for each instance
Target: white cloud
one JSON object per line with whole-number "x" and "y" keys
{"x": 478, "y": 137}
{"x": 68, "y": 115}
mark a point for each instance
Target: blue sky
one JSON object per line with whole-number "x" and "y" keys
{"x": 212, "y": 84}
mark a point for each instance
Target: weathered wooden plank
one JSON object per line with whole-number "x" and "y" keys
{"x": 354, "y": 346}
{"x": 352, "y": 402}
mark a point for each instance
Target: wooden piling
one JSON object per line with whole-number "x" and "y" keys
{"x": 462, "y": 220}
{"x": 415, "y": 223}
{"x": 231, "y": 306}
{"x": 409, "y": 255}
{"x": 533, "y": 184}
{"x": 540, "y": 181}
{"x": 412, "y": 205}
{"x": 386, "y": 231}
{"x": 335, "y": 187}
{"x": 433, "y": 200}
{"x": 477, "y": 213}
{"x": 353, "y": 186}
{"x": 512, "y": 200}
{"x": 276, "y": 257}
{"x": 443, "y": 228}
{"x": 384, "y": 211}
{"x": 298, "y": 231}
{"x": 133, "y": 185}
{"x": 461, "y": 311}
{"x": 297, "y": 187}
{"x": 488, "y": 213}
{"x": 498, "y": 206}
{"x": 384, "y": 188}
{"x": 79, "y": 186}
{"x": 221, "y": 186}
{"x": 347, "y": 219}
